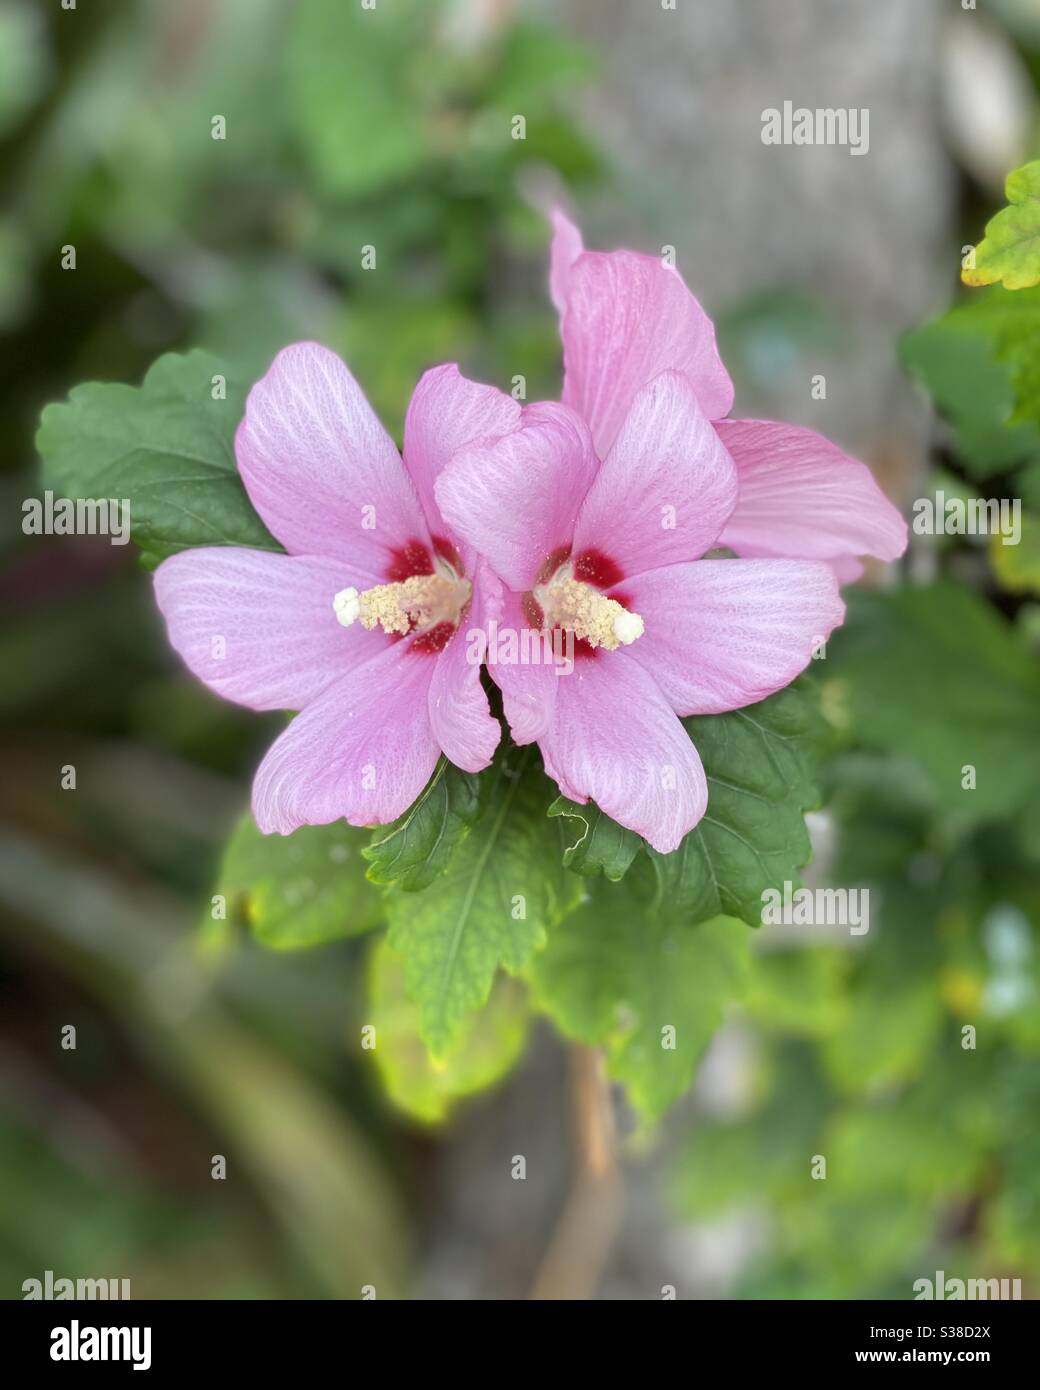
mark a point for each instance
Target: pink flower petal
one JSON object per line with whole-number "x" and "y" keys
{"x": 446, "y": 412}
{"x": 515, "y": 500}
{"x": 615, "y": 740}
{"x": 628, "y": 317}
{"x": 259, "y": 628}
{"x": 721, "y": 634}
{"x": 461, "y": 720}
{"x": 319, "y": 467}
{"x": 362, "y": 751}
{"x": 565, "y": 249}
{"x": 801, "y": 496}
{"x": 667, "y": 487}
{"x": 528, "y": 689}
{"x": 846, "y": 569}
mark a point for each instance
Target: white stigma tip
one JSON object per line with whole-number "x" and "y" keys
{"x": 627, "y": 627}
{"x": 347, "y": 604}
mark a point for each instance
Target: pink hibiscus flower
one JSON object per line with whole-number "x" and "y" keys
{"x": 610, "y": 552}
{"x": 624, "y": 317}
{"x": 357, "y": 626}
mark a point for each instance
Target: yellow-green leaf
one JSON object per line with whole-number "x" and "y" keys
{"x": 1018, "y": 566}
{"x": 486, "y": 1048}
{"x": 294, "y": 890}
{"x": 1010, "y": 251}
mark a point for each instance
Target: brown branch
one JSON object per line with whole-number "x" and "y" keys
{"x": 581, "y": 1244}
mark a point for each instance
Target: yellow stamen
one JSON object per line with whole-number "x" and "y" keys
{"x": 598, "y": 620}
{"x": 411, "y": 605}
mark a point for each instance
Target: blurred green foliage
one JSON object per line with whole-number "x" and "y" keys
{"x": 909, "y": 1061}
{"x": 860, "y": 1057}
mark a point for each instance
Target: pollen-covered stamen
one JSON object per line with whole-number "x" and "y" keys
{"x": 410, "y": 605}
{"x": 600, "y": 621}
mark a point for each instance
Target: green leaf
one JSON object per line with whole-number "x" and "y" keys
{"x": 1029, "y": 827}
{"x": 910, "y": 1144}
{"x": 167, "y": 447}
{"x": 418, "y": 846}
{"x": 1013, "y": 1219}
{"x": 396, "y": 342}
{"x": 797, "y": 991}
{"x": 1010, "y": 250}
{"x": 628, "y": 966}
{"x": 486, "y": 1049}
{"x": 1018, "y": 566}
{"x": 978, "y": 364}
{"x": 1010, "y": 321}
{"x": 535, "y": 62}
{"x": 935, "y": 674}
{"x": 350, "y": 96}
{"x": 502, "y": 891}
{"x": 760, "y": 764}
{"x": 887, "y": 1035}
{"x": 763, "y": 1153}
{"x": 24, "y": 62}
{"x": 295, "y": 890}
{"x": 599, "y": 844}
{"x": 1027, "y": 484}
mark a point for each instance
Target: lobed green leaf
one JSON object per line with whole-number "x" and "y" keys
{"x": 418, "y": 846}
{"x": 599, "y": 844}
{"x": 166, "y": 446}
{"x": 1010, "y": 251}
{"x": 502, "y": 891}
